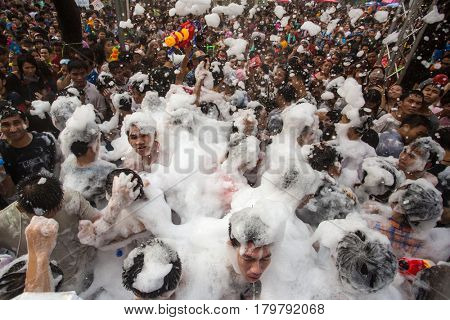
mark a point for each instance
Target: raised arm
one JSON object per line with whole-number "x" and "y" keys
{"x": 184, "y": 65}
{"x": 41, "y": 236}
{"x": 123, "y": 194}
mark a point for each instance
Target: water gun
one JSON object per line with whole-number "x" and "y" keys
{"x": 412, "y": 266}
{"x": 114, "y": 54}
{"x": 182, "y": 37}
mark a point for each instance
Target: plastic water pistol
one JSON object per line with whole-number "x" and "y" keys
{"x": 182, "y": 37}
{"x": 412, "y": 266}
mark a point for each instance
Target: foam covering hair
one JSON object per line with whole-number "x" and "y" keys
{"x": 330, "y": 201}
{"x": 365, "y": 265}
{"x": 421, "y": 202}
{"x": 134, "y": 264}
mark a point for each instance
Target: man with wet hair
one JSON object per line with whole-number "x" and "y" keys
{"x": 85, "y": 173}
{"x": 152, "y": 271}
{"x": 139, "y": 184}
{"x": 324, "y": 157}
{"x": 251, "y": 236}
{"x": 364, "y": 259}
{"x": 42, "y": 195}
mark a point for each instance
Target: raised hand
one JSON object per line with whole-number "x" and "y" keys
{"x": 41, "y": 236}
{"x": 123, "y": 189}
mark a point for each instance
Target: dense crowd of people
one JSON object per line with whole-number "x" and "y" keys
{"x": 245, "y": 151}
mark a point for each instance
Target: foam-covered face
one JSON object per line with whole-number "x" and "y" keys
{"x": 335, "y": 170}
{"x": 141, "y": 143}
{"x": 253, "y": 261}
{"x": 412, "y": 160}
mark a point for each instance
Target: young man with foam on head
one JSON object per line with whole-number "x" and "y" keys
{"x": 419, "y": 156}
{"x": 141, "y": 130}
{"x": 416, "y": 208}
{"x": 252, "y": 233}
{"x": 82, "y": 170}
{"x": 152, "y": 271}
{"x": 361, "y": 259}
